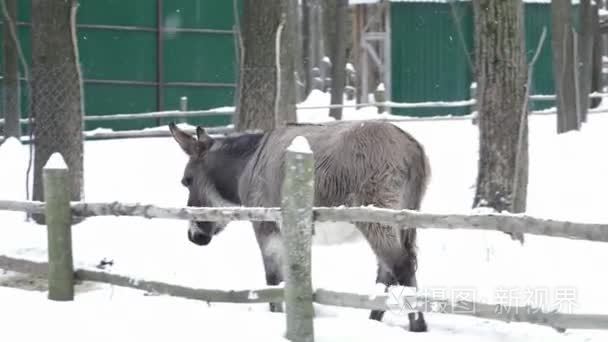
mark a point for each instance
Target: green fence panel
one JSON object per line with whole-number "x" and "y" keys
{"x": 119, "y": 57}
{"x": 200, "y": 57}
{"x": 217, "y": 15}
{"x": 204, "y": 56}
{"x": 116, "y": 55}
{"x": 25, "y": 37}
{"x": 104, "y": 99}
{"x": 538, "y": 16}
{"x": 118, "y": 12}
{"x": 429, "y": 59}
{"x": 24, "y": 8}
{"x": 208, "y": 97}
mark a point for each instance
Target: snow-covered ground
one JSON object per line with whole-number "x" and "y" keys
{"x": 567, "y": 181}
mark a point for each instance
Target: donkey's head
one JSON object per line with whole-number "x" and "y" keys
{"x": 197, "y": 179}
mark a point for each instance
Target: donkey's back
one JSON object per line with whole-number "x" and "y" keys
{"x": 356, "y": 163}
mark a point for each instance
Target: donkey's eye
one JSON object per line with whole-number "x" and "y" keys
{"x": 187, "y": 181}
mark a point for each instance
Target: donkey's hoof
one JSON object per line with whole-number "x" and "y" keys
{"x": 417, "y": 322}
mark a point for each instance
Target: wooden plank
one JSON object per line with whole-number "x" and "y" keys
{"x": 384, "y": 301}
{"x": 183, "y": 213}
{"x": 264, "y": 295}
{"x": 35, "y": 268}
{"x": 508, "y": 223}
{"x": 32, "y": 207}
{"x": 405, "y": 304}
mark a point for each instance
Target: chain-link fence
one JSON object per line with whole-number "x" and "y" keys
{"x": 56, "y": 109}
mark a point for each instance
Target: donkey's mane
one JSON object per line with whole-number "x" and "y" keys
{"x": 240, "y": 144}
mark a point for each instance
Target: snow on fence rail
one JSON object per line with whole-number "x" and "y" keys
{"x": 507, "y": 223}
{"x": 183, "y": 114}
{"x": 382, "y": 301}
{"x": 177, "y": 114}
{"x": 296, "y": 216}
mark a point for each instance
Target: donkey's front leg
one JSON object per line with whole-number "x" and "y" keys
{"x": 270, "y": 243}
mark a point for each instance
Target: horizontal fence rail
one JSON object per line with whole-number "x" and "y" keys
{"x": 507, "y": 223}
{"x": 384, "y": 301}
{"x": 230, "y": 112}
{"x": 150, "y": 133}
{"x": 429, "y": 104}
{"x": 169, "y": 114}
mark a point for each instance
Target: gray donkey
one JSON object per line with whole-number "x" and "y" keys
{"x": 356, "y": 163}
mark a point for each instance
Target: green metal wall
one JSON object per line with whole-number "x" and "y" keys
{"x": 122, "y": 65}
{"x": 429, "y": 58}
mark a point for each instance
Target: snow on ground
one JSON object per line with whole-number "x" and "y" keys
{"x": 567, "y": 181}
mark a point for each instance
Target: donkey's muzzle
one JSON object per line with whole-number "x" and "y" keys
{"x": 199, "y": 238}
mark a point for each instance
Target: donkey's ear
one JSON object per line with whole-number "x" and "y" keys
{"x": 201, "y": 135}
{"x": 203, "y": 138}
{"x": 185, "y": 141}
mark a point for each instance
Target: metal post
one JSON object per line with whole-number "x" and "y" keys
{"x": 183, "y": 104}
{"x": 160, "y": 60}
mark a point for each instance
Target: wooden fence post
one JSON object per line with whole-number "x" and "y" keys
{"x": 58, "y": 221}
{"x": 296, "y": 229}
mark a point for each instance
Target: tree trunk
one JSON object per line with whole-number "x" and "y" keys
{"x": 502, "y": 75}
{"x": 563, "y": 66}
{"x": 596, "y": 73}
{"x": 56, "y": 92}
{"x": 338, "y": 57}
{"x": 285, "y": 111}
{"x": 585, "y": 56}
{"x": 258, "y": 99}
{"x": 12, "y": 89}
{"x": 328, "y": 14}
{"x": 307, "y": 58}
{"x": 316, "y": 46}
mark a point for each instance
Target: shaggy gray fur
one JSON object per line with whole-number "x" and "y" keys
{"x": 356, "y": 163}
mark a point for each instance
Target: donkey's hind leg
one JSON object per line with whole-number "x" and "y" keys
{"x": 405, "y": 272}
{"x": 396, "y": 255}
{"x": 269, "y": 241}
{"x": 384, "y": 277}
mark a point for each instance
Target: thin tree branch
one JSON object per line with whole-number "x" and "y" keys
{"x": 278, "y": 95}
{"x": 524, "y": 116}
{"x": 458, "y": 24}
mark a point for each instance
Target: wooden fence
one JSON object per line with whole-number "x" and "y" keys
{"x": 184, "y": 113}
{"x": 296, "y": 216}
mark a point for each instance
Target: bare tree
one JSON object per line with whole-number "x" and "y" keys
{"x": 328, "y": 25}
{"x": 12, "y": 90}
{"x": 56, "y": 91}
{"x": 338, "y": 56}
{"x": 501, "y": 78}
{"x": 568, "y": 117}
{"x": 285, "y": 108}
{"x": 267, "y": 25}
{"x": 585, "y": 56}
{"x": 598, "y": 47}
